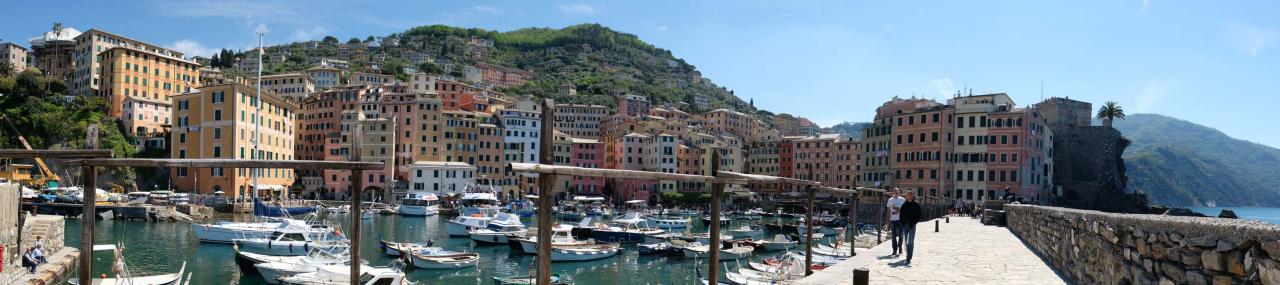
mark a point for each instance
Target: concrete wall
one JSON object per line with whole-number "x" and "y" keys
{"x": 10, "y": 195}
{"x": 1091, "y": 247}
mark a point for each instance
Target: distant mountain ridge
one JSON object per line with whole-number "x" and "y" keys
{"x": 1179, "y": 163}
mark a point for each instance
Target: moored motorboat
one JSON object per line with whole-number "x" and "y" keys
{"x": 778, "y": 243}
{"x": 497, "y": 229}
{"x": 523, "y": 280}
{"x": 419, "y": 204}
{"x": 667, "y": 222}
{"x": 751, "y": 231}
{"x": 400, "y": 248}
{"x": 699, "y": 250}
{"x": 119, "y": 262}
{"x": 561, "y": 235}
{"x": 292, "y": 242}
{"x": 336, "y": 275}
{"x": 631, "y": 228}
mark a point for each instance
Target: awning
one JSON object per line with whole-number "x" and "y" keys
{"x": 270, "y": 187}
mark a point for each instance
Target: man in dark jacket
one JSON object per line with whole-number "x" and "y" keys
{"x": 910, "y": 216}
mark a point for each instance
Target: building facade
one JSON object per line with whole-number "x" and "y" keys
{"x": 441, "y": 178}
{"x": 580, "y": 121}
{"x": 54, "y": 50}
{"x": 138, "y": 73}
{"x": 16, "y": 56}
{"x": 219, "y": 122}
{"x": 86, "y": 79}
{"x": 291, "y": 86}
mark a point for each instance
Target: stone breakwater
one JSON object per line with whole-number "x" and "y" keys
{"x": 1091, "y": 247}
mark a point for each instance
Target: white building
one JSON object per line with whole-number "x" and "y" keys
{"x": 324, "y": 76}
{"x": 522, "y": 128}
{"x": 439, "y": 177}
{"x": 421, "y": 82}
{"x": 661, "y": 157}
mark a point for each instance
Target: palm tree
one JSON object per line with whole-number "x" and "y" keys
{"x": 6, "y": 69}
{"x": 1109, "y": 112}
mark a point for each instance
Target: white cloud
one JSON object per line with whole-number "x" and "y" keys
{"x": 191, "y": 48}
{"x": 302, "y": 35}
{"x": 661, "y": 28}
{"x": 583, "y": 9}
{"x": 944, "y": 86}
{"x": 261, "y": 29}
{"x": 1251, "y": 39}
{"x": 1145, "y": 4}
{"x": 487, "y": 9}
{"x": 1152, "y": 94}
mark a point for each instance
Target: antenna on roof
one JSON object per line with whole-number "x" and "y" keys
{"x": 1042, "y": 90}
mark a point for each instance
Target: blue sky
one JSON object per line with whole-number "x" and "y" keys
{"x": 1211, "y": 62}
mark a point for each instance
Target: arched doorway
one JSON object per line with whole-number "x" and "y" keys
{"x": 373, "y": 193}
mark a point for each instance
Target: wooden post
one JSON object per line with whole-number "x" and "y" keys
{"x": 853, "y": 223}
{"x": 546, "y": 194}
{"x": 88, "y": 216}
{"x": 357, "y": 187}
{"x": 880, "y": 220}
{"x": 808, "y": 221}
{"x": 88, "y": 213}
{"x": 713, "y": 249}
{"x": 861, "y": 276}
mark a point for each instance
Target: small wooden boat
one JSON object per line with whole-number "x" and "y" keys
{"x": 523, "y": 280}
{"x": 584, "y": 252}
{"x": 399, "y": 248}
{"x": 341, "y": 275}
{"x": 436, "y": 258}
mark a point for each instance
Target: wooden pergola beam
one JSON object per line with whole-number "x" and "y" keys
{"x": 620, "y": 173}
{"x": 229, "y": 163}
{"x": 60, "y": 153}
{"x": 765, "y": 178}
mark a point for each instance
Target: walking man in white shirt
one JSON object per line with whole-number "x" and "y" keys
{"x": 894, "y": 207}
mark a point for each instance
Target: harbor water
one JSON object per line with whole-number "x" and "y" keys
{"x": 152, "y": 248}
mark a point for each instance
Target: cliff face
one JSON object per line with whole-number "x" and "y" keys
{"x": 1090, "y": 171}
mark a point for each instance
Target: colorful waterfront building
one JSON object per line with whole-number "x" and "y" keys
{"x": 219, "y": 122}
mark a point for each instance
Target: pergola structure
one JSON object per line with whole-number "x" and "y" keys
{"x": 547, "y": 170}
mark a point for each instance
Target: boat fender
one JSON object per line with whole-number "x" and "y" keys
{"x": 290, "y": 248}
{"x": 306, "y": 247}
{"x": 269, "y": 244}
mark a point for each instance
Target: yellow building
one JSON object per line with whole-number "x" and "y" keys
{"x": 143, "y": 74}
{"x": 292, "y": 86}
{"x": 86, "y": 80}
{"x": 428, "y": 135}
{"x": 218, "y": 122}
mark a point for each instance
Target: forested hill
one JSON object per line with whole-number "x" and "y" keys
{"x": 592, "y": 59}
{"x": 1180, "y": 163}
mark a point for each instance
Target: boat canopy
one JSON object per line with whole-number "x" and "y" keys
{"x": 479, "y": 196}
{"x": 588, "y": 198}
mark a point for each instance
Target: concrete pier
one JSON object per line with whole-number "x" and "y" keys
{"x": 962, "y": 252}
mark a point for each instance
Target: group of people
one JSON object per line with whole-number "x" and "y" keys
{"x": 34, "y": 256}
{"x": 904, "y": 213}
{"x": 967, "y": 208}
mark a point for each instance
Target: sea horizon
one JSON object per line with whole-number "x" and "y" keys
{"x": 1263, "y": 214}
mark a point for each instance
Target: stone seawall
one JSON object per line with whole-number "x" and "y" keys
{"x": 1091, "y": 247}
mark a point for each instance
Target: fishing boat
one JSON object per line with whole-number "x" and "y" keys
{"x": 739, "y": 279}
{"x": 662, "y": 222}
{"x": 335, "y": 275}
{"x": 819, "y": 258}
{"x": 631, "y": 228}
{"x": 653, "y": 248}
{"x": 750, "y": 231}
{"x": 400, "y": 248}
{"x": 584, "y": 252}
{"x": 524, "y": 280}
{"x": 273, "y": 271}
{"x": 803, "y": 238}
{"x": 705, "y": 238}
{"x": 248, "y": 261}
{"x": 497, "y": 229}
{"x": 778, "y": 243}
{"x": 561, "y": 235}
{"x": 122, "y": 274}
{"x": 437, "y": 258}
{"x": 462, "y": 225}
{"x": 419, "y": 204}
{"x": 735, "y": 251}
{"x": 724, "y": 220}
{"x": 477, "y": 199}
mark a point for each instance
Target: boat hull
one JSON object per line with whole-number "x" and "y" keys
{"x": 618, "y": 236}
{"x": 225, "y": 234}
{"x": 489, "y": 238}
{"x": 452, "y": 262}
{"x": 289, "y": 248}
{"x": 417, "y": 211}
{"x": 560, "y": 255}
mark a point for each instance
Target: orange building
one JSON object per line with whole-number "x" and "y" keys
{"x": 218, "y": 122}
{"x": 137, "y": 73}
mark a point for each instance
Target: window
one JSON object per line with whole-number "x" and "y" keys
{"x": 217, "y": 115}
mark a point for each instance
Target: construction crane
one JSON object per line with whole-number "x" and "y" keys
{"x": 47, "y": 177}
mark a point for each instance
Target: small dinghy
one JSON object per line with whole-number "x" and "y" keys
{"x": 736, "y": 251}
{"x": 524, "y": 280}
{"x": 400, "y": 248}
{"x": 750, "y": 231}
{"x": 584, "y": 252}
{"x": 437, "y": 258}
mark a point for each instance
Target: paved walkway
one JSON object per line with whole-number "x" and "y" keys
{"x": 964, "y": 252}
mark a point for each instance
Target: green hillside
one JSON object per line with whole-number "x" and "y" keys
{"x": 592, "y": 59}
{"x": 1180, "y": 163}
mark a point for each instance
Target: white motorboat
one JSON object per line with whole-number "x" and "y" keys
{"x": 124, "y": 277}
{"x": 561, "y": 235}
{"x": 700, "y": 250}
{"x": 462, "y": 225}
{"x": 272, "y": 272}
{"x": 477, "y": 199}
{"x": 667, "y": 223}
{"x": 419, "y": 204}
{"x": 292, "y": 242}
{"x": 584, "y": 252}
{"x": 496, "y": 231}
{"x": 816, "y": 237}
{"x": 631, "y": 228}
{"x": 437, "y": 258}
{"x": 248, "y": 261}
{"x": 341, "y": 275}
{"x": 739, "y": 279}
{"x": 662, "y": 237}
{"x": 338, "y": 209}
{"x": 778, "y": 243}
{"x": 751, "y": 231}
{"x": 819, "y": 258}
{"x": 400, "y": 248}
{"x": 705, "y": 238}
{"x": 225, "y": 232}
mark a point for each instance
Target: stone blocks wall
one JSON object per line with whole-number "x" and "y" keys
{"x": 10, "y": 195}
{"x": 1091, "y": 247}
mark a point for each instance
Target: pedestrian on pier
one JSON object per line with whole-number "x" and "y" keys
{"x": 29, "y": 260}
{"x": 38, "y": 249}
{"x": 911, "y": 214}
{"x": 894, "y": 206}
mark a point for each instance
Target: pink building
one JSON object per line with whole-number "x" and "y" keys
{"x": 587, "y": 153}
{"x": 144, "y": 117}
{"x": 627, "y": 152}
{"x": 633, "y": 105}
